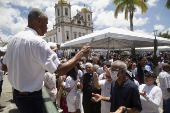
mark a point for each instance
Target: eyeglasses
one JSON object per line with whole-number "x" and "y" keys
{"x": 113, "y": 69}
{"x": 88, "y": 67}
{"x": 148, "y": 76}
{"x": 144, "y": 60}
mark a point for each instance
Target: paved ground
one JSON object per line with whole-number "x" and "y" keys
{"x": 6, "y": 98}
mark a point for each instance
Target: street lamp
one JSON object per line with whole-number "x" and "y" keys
{"x": 155, "y": 51}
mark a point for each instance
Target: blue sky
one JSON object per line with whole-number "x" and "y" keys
{"x": 13, "y": 14}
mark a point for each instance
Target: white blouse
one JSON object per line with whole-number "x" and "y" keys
{"x": 152, "y": 100}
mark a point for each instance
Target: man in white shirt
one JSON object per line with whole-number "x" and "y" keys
{"x": 27, "y": 58}
{"x": 105, "y": 86}
{"x": 164, "y": 80}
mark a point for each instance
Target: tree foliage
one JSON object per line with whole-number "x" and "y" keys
{"x": 130, "y": 7}
{"x": 167, "y": 5}
{"x": 164, "y": 35}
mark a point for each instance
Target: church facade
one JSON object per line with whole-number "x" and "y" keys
{"x": 67, "y": 28}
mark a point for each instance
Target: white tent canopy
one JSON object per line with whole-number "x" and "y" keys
{"x": 160, "y": 48}
{"x": 116, "y": 38}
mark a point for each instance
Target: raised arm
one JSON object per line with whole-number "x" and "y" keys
{"x": 96, "y": 83}
{"x": 63, "y": 68}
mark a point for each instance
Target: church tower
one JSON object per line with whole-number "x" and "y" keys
{"x": 67, "y": 28}
{"x": 62, "y": 12}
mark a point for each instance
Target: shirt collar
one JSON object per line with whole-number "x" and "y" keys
{"x": 28, "y": 28}
{"x": 124, "y": 84}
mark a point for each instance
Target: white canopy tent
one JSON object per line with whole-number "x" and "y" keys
{"x": 116, "y": 38}
{"x": 160, "y": 48}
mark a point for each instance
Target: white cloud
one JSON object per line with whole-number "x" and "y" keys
{"x": 158, "y": 17}
{"x": 152, "y": 2}
{"x": 107, "y": 18}
{"x": 143, "y": 31}
{"x": 159, "y": 27}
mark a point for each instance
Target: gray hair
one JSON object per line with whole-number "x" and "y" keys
{"x": 120, "y": 64}
{"x": 34, "y": 14}
{"x": 88, "y": 63}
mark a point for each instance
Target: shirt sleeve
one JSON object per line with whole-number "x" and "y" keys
{"x": 46, "y": 57}
{"x": 167, "y": 81}
{"x": 80, "y": 74}
{"x": 155, "y": 100}
{"x": 67, "y": 82}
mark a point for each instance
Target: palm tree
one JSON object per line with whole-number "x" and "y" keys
{"x": 130, "y": 7}
{"x": 167, "y": 5}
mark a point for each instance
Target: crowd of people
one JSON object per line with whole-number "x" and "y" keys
{"x": 89, "y": 83}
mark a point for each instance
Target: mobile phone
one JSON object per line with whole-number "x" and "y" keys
{"x": 91, "y": 41}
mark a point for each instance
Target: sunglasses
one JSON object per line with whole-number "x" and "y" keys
{"x": 148, "y": 76}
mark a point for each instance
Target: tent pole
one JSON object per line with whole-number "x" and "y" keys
{"x": 108, "y": 49}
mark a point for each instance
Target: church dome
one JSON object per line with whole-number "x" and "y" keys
{"x": 84, "y": 9}
{"x": 63, "y": 1}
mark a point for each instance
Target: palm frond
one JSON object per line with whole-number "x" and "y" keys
{"x": 142, "y": 5}
{"x": 126, "y": 13}
{"x": 119, "y": 7}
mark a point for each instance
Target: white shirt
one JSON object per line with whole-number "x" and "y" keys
{"x": 100, "y": 71}
{"x": 101, "y": 76}
{"x": 79, "y": 75}
{"x": 152, "y": 100}
{"x": 70, "y": 83}
{"x": 27, "y": 58}
{"x": 164, "y": 80}
{"x": 105, "y": 91}
{"x": 111, "y": 61}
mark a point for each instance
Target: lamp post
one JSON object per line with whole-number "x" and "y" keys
{"x": 155, "y": 51}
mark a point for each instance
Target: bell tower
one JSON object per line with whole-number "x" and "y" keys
{"x": 62, "y": 12}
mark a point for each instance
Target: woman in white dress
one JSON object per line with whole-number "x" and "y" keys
{"x": 150, "y": 94}
{"x": 73, "y": 97}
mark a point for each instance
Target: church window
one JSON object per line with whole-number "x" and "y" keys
{"x": 58, "y": 12}
{"x": 66, "y": 11}
{"x": 88, "y": 17}
{"x": 67, "y": 35}
{"x": 50, "y": 39}
{"x": 58, "y": 29}
{"x": 75, "y": 35}
{"x": 89, "y": 24}
{"x": 54, "y": 39}
{"x": 79, "y": 34}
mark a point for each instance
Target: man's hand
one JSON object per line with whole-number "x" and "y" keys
{"x": 95, "y": 75}
{"x": 106, "y": 70}
{"x": 142, "y": 93}
{"x": 121, "y": 109}
{"x": 96, "y": 97}
{"x": 58, "y": 45}
{"x": 85, "y": 50}
{"x": 80, "y": 85}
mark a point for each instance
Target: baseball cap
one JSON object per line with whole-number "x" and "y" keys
{"x": 151, "y": 73}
